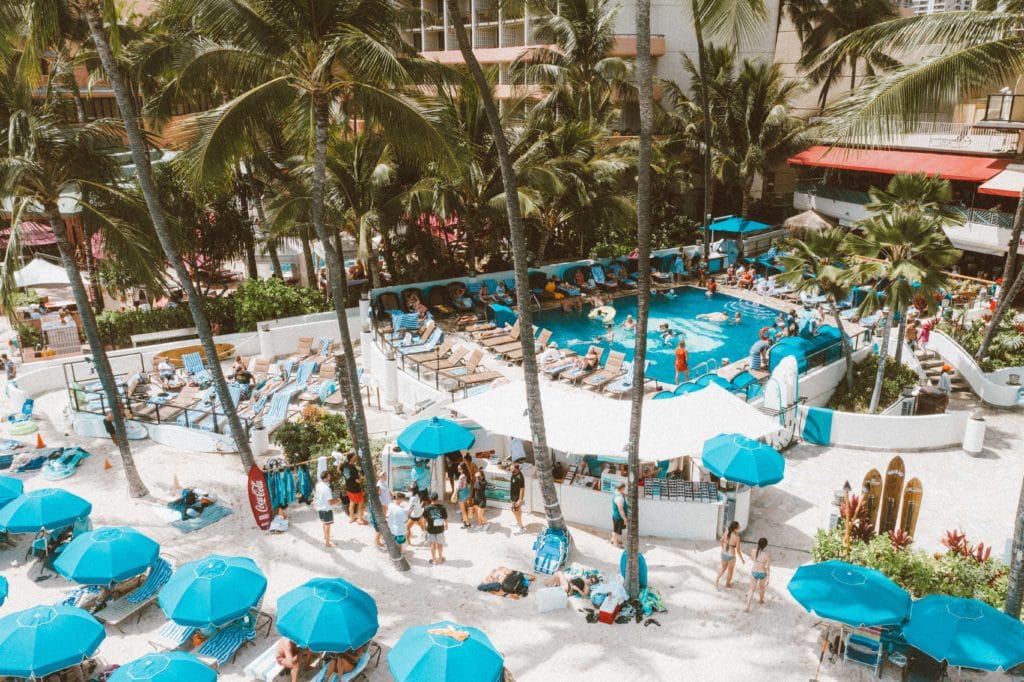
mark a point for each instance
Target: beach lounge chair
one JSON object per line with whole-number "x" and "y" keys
{"x": 277, "y": 412}
{"x": 458, "y": 294}
{"x": 426, "y": 345}
{"x": 435, "y": 354}
{"x": 437, "y": 301}
{"x": 372, "y": 653}
{"x": 477, "y": 378}
{"x": 225, "y": 645}
{"x": 454, "y": 359}
{"x": 492, "y": 341}
{"x": 264, "y": 667}
{"x": 513, "y": 352}
{"x": 574, "y": 373}
{"x": 407, "y": 338}
{"x": 493, "y": 332}
{"x": 612, "y": 370}
{"x": 406, "y": 323}
{"x": 303, "y": 349}
{"x": 620, "y": 273}
{"x": 65, "y": 464}
{"x": 555, "y": 369}
{"x": 194, "y": 368}
{"x": 25, "y": 413}
{"x": 624, "y": 384}
{"x": 255, "y": 407}
{"x": 470, "y": 366}
{"x": 172, "y": 637}
{"x": 386, "y": 303}
{"x": 597, "y": 271}
{"x": 138, "y": 600}
{"x": 481, "y": 327}
{"x": 324, "y": 351}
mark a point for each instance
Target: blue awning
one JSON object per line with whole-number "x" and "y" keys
{"x": 735, "y": 225}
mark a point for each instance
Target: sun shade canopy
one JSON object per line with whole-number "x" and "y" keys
{"x": 1005, "y": 184}
{"x": 890, "y": 162}
{"x": 734, "y": 225}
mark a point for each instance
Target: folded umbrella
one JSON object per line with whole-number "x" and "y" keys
{"x": 743, "y": 460}
{"x": 850, "y": 594}
{"x": 445, "y": 652}
{"x": 44, "y": 509}
{"x": 45, "y": 639}
{"x": 965, "y": 632}
{"x": 171, "y": 666}
{"x": 327, "y": 614}
{"x": 212, "y": 591}
{"x": 106, "y": 555}
{"x": 435, "y": 437}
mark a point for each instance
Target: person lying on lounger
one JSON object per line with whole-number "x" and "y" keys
{"x": 589, "y": 361}
{"x": 574, "y": 587}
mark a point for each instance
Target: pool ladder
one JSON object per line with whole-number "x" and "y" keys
{"x": 708, "y": 366}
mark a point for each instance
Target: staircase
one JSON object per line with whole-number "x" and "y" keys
{"x": 932, "y": 363}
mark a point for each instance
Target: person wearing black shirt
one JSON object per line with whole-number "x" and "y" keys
{"x": 437, "y": 523}
{"x": 354, "y": 489}
{"x": 243, "y": 378}
{"x": 517, "y": 491}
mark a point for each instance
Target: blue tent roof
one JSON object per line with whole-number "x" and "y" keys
{"x": 738, "y": 225}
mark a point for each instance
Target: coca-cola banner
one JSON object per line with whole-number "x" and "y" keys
{"x": 259, "y": 497}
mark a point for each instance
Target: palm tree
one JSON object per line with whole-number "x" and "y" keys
{"x": 40, "y": 30}
{"x": 904, "y": 252}
{"x": 44, "y": 157}
{"x": 298, "y": 65}
{"x": 819, "y": 23}
{"x": 582, "y": 82}
{"x": 914, "y": 193}
{"x": 1014, "y": 593}
{"x": 645, "y": 82}
{"x": 517, "y": 238}
{"x": 732, "y": 21}
{"x": 816, "y": 263}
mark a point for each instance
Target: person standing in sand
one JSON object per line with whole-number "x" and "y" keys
{"x": 463, "y": 490}
{"x": 354, "y": 489}
{"x": 730, "y": 544}
{"x": 437, "y": 524}
{"x": 620, "y": 512}
{"x": 517, "y": 491}
{"x": 480, "y": 499}
{"x": 384, "y": 495}
{"x": 759, "y": 571}
{"x": 322, "y": 499}
{"x": 397, "y": 517}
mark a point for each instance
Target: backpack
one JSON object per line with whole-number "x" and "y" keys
{"x": 514, "y": 583}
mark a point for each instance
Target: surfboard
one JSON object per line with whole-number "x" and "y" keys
{"x": 911, "y": 506}
{"x": 892, "y": 491}
{"x": 871, "y": 492}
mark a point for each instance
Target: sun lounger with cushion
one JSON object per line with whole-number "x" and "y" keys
{"x": 277, "y": 412}
{"x": 612, "y": 370}
{"x": 493, "y": 332}
{"x": 304, "y": 348}
{"x": 135, "y": 602}
{"x": 225, "y": 645}
{"x": 435, "y": 354}
{"x": 514, "y": 353}
{"x": 172, "y": 636}
{"x": 494, "y": 341}
{"x": 597, "y": 271}
{"x": 554, "y": 369}
{"x": 472, "y": 362}
{"x": 265, "y": 666}
{"x": 477, "y": 378}
{"x": 454, "y": 359}
{"x": 624, "y": 384}
{"x": 194, "y": 368}
{"x": 574, "y": 373}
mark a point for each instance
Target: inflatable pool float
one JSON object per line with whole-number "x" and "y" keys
{"x": 764, "y": 333}
{"x": 22, "y": 428}
{"x": 605, "y": 313}
{"x": 174, "y": 355}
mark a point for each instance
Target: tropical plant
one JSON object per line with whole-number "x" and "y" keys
{"x": 858, "y": 397}
{"x": 317, "y": 433}
{"x": 42, "y": 158}
{"x": 1006, "y": 348}
{"x": 573, "y": 66}
{"x": 820, "y": 23}
{"x": 816, "y": 263}
{"x": 257, "y": 300}
{"x": 517, "y": 239}
{"x": 645, "y": 86}
{"x": 904, "y": 252}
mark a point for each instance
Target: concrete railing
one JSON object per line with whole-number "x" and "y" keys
{"x": 991, "y": 388}
{"x": 883, "y": 432}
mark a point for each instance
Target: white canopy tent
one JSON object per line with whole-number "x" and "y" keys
{"x": 584, "y": 423}
{"x": 41, "y": 272}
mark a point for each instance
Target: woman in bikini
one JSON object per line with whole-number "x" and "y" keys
{"x": 730, "y": 543}
{"x": 759, "y": 572}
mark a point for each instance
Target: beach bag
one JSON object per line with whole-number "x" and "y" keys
{"x": 514, "y": 583}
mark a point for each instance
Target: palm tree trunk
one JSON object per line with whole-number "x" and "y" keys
{"x": 346, "y": 360}
{"x": 645, "y": 82}
{"x": 1015, "y": 588}
{"x": 307, "y": 258}
{"x": 900, "y": 333}
{"x": 883, "y": 355}
{"x": 136, "y": 488}
{"x": 517, "y": 238}
{"x": 1010, "y": 266}
{"x": 1005, "y": 304}
{"x": 144, "y": 173}
{"x": 702, "y": 61}
{"x": 847, "y": 349}
{"x": 275, "y": 260}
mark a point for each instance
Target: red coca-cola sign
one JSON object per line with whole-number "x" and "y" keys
{"x": 259, "y": 497}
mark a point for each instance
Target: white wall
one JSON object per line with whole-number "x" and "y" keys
{"x": 879, "y": 432}
{"x": 280, "y": 337}
{"x": 991, "y": 388}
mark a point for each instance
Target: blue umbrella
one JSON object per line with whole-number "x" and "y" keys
{"x": 327, "y": 614}
{"x": 850, "y": 594}
{"x": 212, "y": 591}
{"x": 10, "y": 488}
{"x": 106, "y": 555}
{"x": 965, "y": 632}
{"x": 434, "y": 437}
{"x": 445, "y": 652}
{"x": 45, "y": 639}
{"x": 172, "y": 666}
{"x": 743, "y": 460}
{"x": 48, "y": 508}
{"x": 3, "y": 590}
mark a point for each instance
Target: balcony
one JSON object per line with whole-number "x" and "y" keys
{"x": 1003, "y": 111}
{"x": 625, "y": 45}
{"x": 937, "y": 136}
{"x": 493, "y": 55}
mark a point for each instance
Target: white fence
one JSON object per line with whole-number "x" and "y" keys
{"x": 991, "y": 388}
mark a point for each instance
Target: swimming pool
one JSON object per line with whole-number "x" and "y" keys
{"x": 705, "y": 339}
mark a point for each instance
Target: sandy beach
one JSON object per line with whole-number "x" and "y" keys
{"x": 705, "y": 634}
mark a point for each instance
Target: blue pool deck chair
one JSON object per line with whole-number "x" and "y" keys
{"x": 25, "y": 413}
{"x": 193, "y": 363}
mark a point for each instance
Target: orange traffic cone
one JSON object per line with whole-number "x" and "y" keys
{"x": 39, "y": 441}
{"x": 107, "y": 464}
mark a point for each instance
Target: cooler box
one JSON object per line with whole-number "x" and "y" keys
{"x": 610, "y": 608}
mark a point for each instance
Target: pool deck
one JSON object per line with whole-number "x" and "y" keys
{"x": 513, "y": 370}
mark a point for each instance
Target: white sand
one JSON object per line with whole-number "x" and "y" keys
{"x": 705, "y": 635}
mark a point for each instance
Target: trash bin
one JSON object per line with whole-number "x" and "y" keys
{"x": 259, "y": 440}
{"x": 974, "y": 435}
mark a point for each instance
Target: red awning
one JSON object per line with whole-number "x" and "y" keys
{"x": 890, "y": 162}
{"x": 31, "y": 234}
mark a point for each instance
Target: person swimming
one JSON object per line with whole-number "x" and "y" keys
{"x": 609, "y": 334}
{"x": 666, "y": 333}
{"x": 736, "y": 318}
{"x": 629, "y": 323}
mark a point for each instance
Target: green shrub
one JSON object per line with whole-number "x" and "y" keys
{"x": 896, "y": 377}
{"x": 258, "y": 300}
{"x": 918, "y": 572}
{"x": 24, "y": 297}
{"x": 313, "y": 436}
{"x": 1006, "y": 349}
{"x": 28, "y": 336}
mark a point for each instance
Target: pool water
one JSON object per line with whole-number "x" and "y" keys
{"x": 705, "y": 339}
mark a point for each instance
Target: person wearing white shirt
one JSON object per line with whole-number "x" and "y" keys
{"x": 550, "y": 354}
{"x": 322, "y": 498}
{"x": 398, "y": 517}
{"x": 415, "y": 512}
